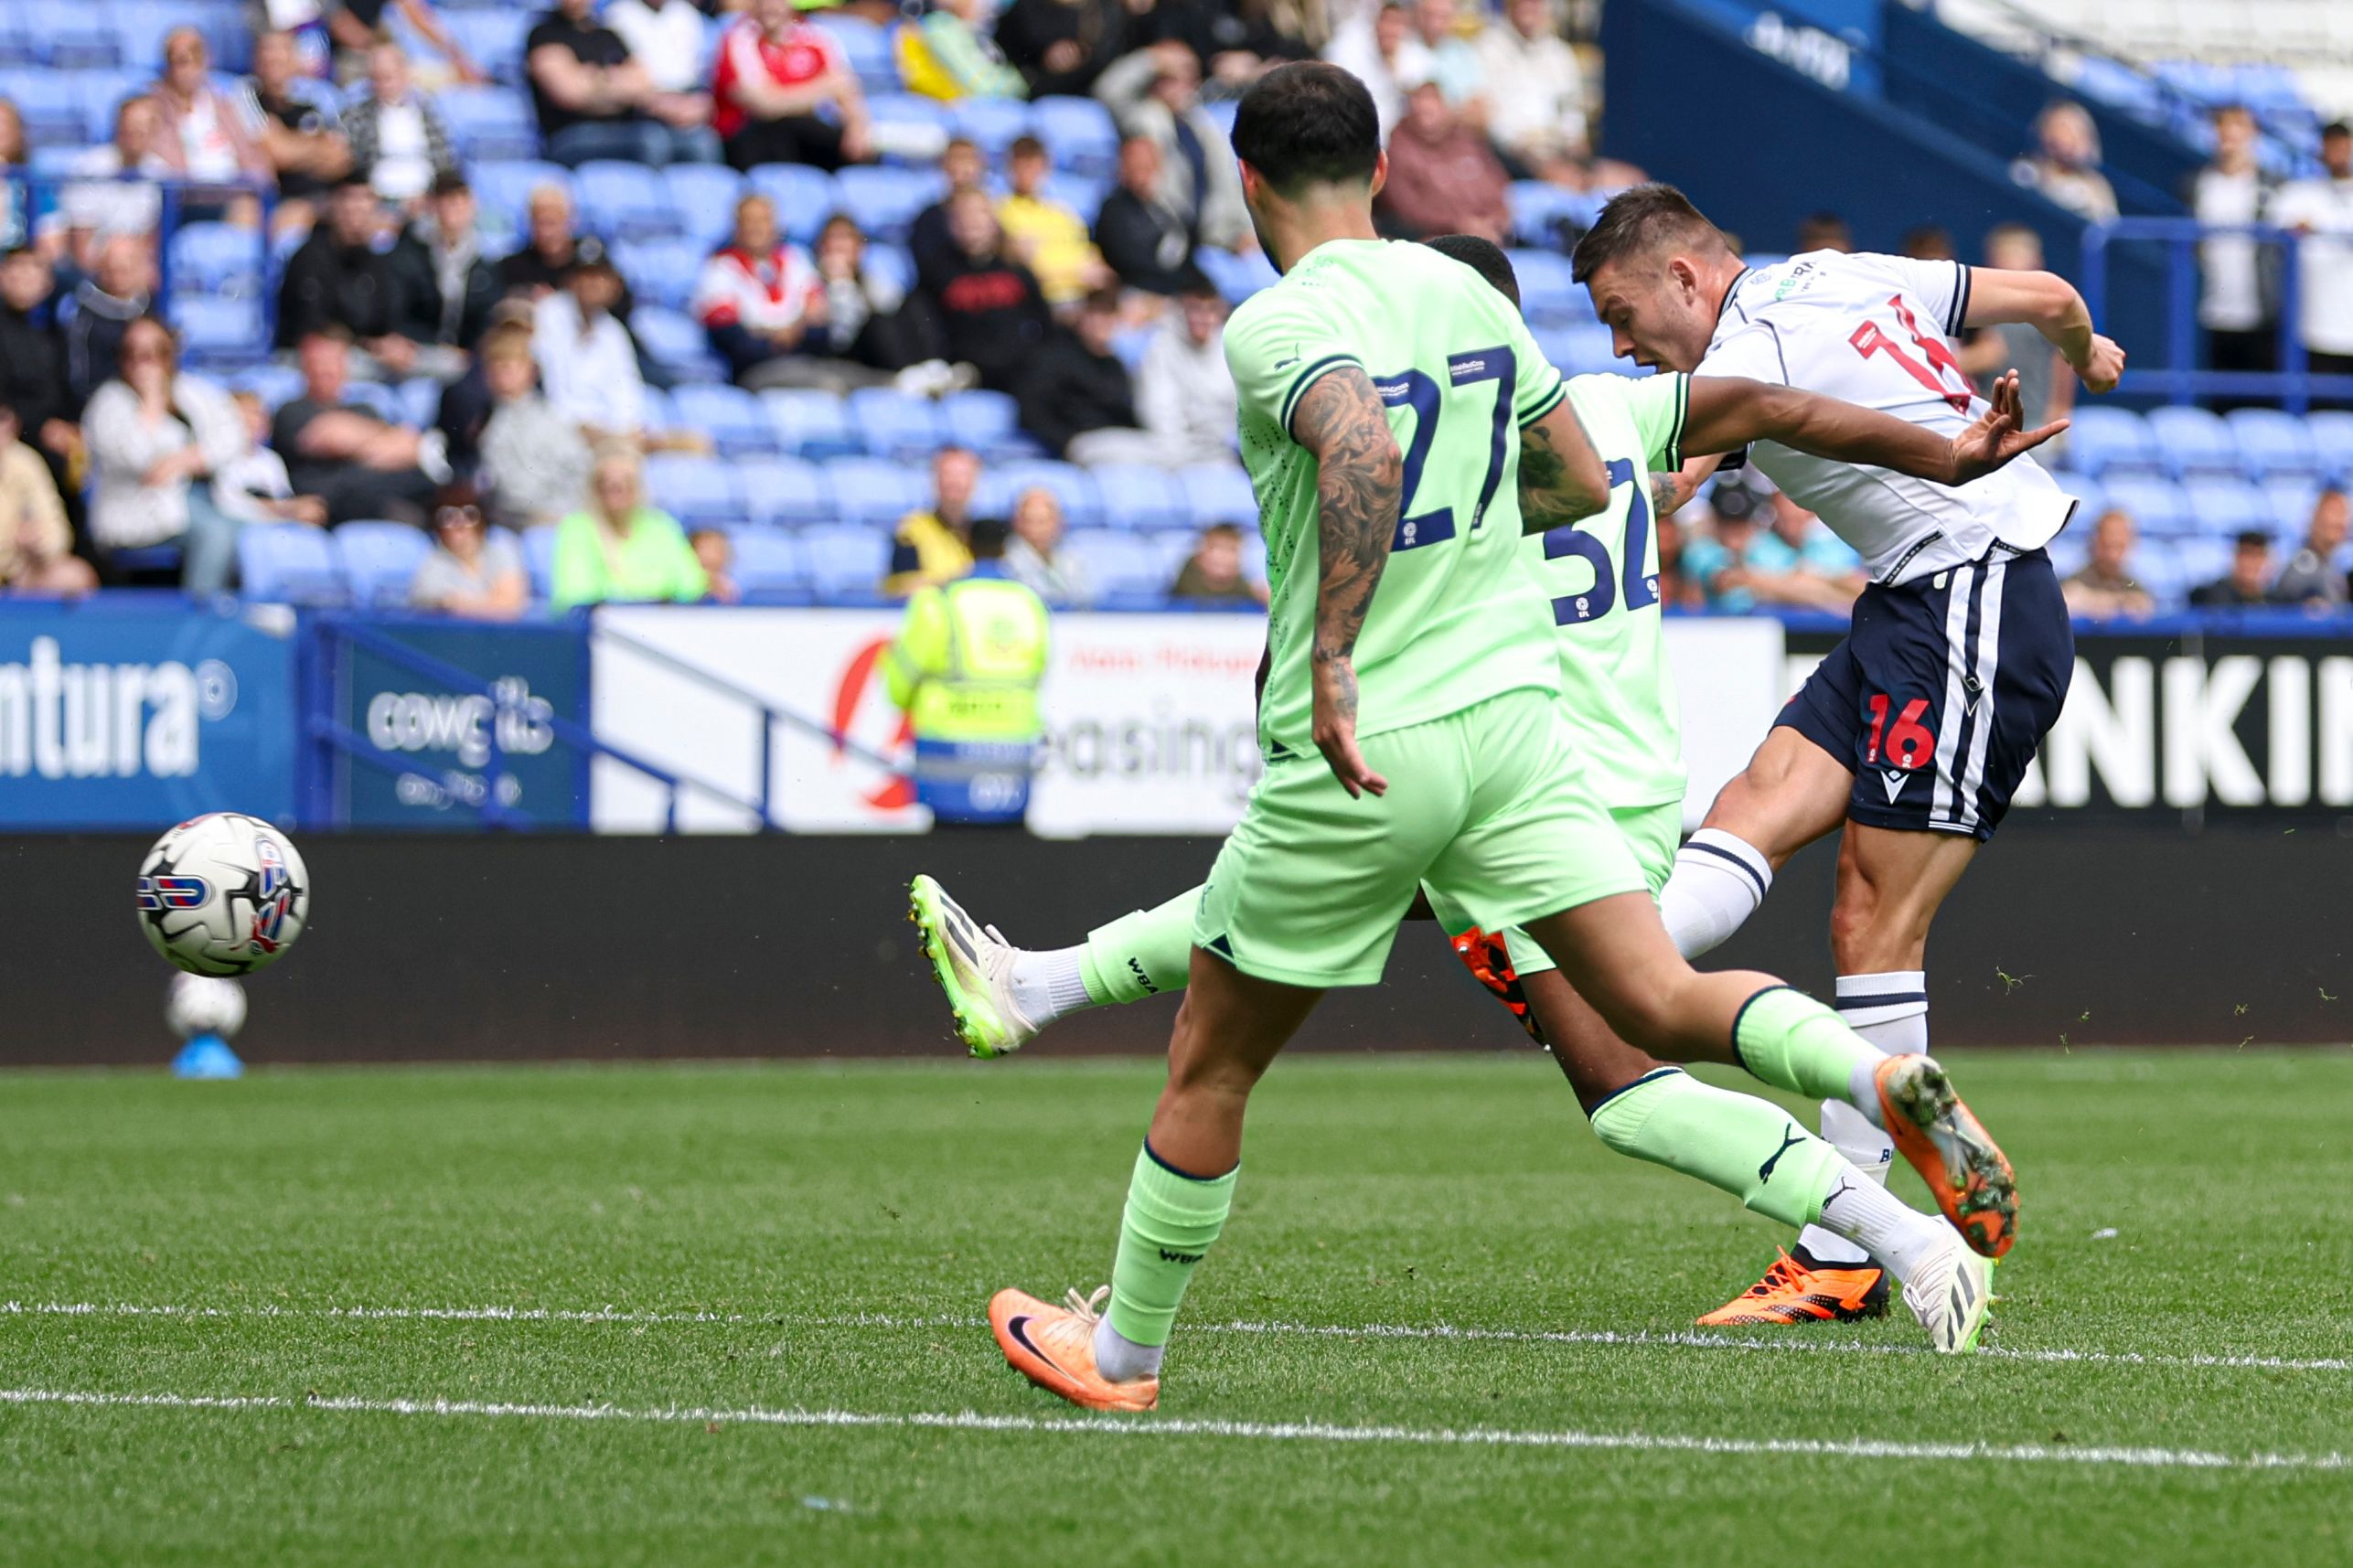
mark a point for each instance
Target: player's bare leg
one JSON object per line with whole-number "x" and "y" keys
{"x": 1229, "y": 1028}
{"x": 1891, "y": 882}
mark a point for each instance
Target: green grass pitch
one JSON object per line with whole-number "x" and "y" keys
{"x": 732, "y": 1314}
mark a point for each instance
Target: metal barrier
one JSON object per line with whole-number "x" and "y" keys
{"x": 45, "y": 196}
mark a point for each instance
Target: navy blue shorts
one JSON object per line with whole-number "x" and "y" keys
{"x": 1942, "y": 692}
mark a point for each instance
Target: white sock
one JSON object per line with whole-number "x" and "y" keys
{"x": 1718, "y": 881}
{"x": 1122, "y": 1359}
{"x": 1889, "y": 1010}
{"x": 1046, "y": 985}
{"x": 1870, "y": 1215}
{"x": 1868, "y": 1150}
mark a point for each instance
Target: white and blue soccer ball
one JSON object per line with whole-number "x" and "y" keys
{"x": 223, "y": 894}
{"x": 204, "y": 1005}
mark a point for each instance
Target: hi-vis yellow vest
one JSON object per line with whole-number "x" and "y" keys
{"x": 968, "y": 659}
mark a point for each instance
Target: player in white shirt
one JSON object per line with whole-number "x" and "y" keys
{"x": 1916, "y": 729}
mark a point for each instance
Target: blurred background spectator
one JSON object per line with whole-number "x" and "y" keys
{"x": 473, "y": 571}
{"x": 594, "y": 100}
{"x": 2065, "y": 163}
{"x": 343, "y": 279}
{"x": 104, "y": 202}
{"x": 1143, "y": 238}
{"x": 2106, "y": 588}
{"x": 1436, "y": 50}
{"x": 35, "y": 542}
{"x": 1034, "y": 554}
{"x": 992, "y": 315}
{"x": 2321, "y": 210}
{"x": 2314, "y": 575}
{"x": 962, "y": 166}
{"x": 715, "y": 553}
{"x": 298, "y": 128}
{"x": 929, "y": 545}
{"x": 665, "y": 38}
{"x": 446, "y": 286}
{"x": 950, "y": 53}
{"x": 360, "y": 464}
{"x": 1765, "y": 550}
{"x": 1444, "y": 178}
{"x": 1372, "y": 48}
{"x": 1822, "y": 231}
{"x": 398, "y": 144}
{"x": 867, "y": 321}
{"x": 588, "y": 366}
{"x": 206, "y": 138}
{"x": 2046, "y": 385}
{"x": 535, "y": 461}
{"x": 2238, "y": 303}
{"x": 118, "y": 292}
{"x": 1184, "y": 393}
{"x": 354, "y": 27}
{"x": 760, "y": 302}
{"x": 1535, "y": 95}
{"x": 618, "y": 549}
{"x": 1156, "y": 92}
{"x": 1042, "y": 233}
{"x": 1076, "y": 397}
{"x": 33, "y": 375}
{"x": 253, "y": 486}
{"x": 1061, "y": 46}
{"x": 15, "y": 210}
{"x": 2248, "y": 580}
{"x": 1213, "y": 574}
{"x": 156, "y": 437}
{"x": 775, "y": 74}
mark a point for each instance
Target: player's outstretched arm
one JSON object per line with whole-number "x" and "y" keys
{"x": 1359, "y": 475}
{"x": 2049, "y": 304}
{"x": 1562, "y": 478}
{"x": 1726, "y": 412}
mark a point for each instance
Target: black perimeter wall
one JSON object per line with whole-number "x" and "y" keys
{"x": 434, "y": 947}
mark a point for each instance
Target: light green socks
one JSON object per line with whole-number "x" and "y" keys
{"x": 1171, "y": 1220}
{"x": 1746, "y": 1147}
{"x": 1140, "y": 954}
{"x": 1790, "y": 1041}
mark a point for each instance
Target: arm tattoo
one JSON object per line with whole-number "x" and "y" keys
{"x": 1666, "y": 494}
{"x": 1358, "y": 476}
{"x": 1548, "y": 499}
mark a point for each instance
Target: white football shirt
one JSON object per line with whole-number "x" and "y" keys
{"x": 1877, "y": 331}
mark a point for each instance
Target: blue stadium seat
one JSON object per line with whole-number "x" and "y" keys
{"x": 1083, "y": 194}
{"x": 892, "y": 266}
{"x": 230, "y": 33}
{"x": 660, "y": 412}
{"x": 626, "y": 201}
{"x": 1082, "y": 501}
{"x": 1078, "y": 134}
{"x": 16, "y": 44}
{"x": 894, "y": 424}
{"x": 1219, "y": 493}
{"x": 2157, "y": 505}
{"x": 992, "y": 124}
{"x": 2220, "y": 508}
{"x": 215, "y": 331}
{"x": 2068, "y": 551}
{"x": 2194, "y": 440}
{"x": 539, "y": 561}
{"x": 1236, "y": 277}
{"x": 215, "y": 259}
{"x": 419, "y": 399}
{"x": 502, "y": 190}
{"x": 663, "y": 272}
{"x": 913, "y": 120}
{"x": 697, "y": 491}
{"x": 1581, "y": 350}
{"x": 2290, "y": 498}
{"x": 287, "y": 563}
{"x": 845, "y": 560}
{"x": 376, "y": 397}
{"x": 1540, "y": 208}
{"x": 2111, "y": 439}
{"x": 102, "y": 93}
{"x": 381, "y": 560}
{"x": 677, "y": 344}
{"x": 73, "y": 34}
{"x": 730, "y": 416}
{"x": 2202, "y": 560}
{"x": 1130, "y": 346}
{"x": 275, "y": 385}
{"x": 51, "y": 106}
{"x": 786, "y": 490}
{"x": 867, "y": 46}
{"x": 704, "y": 198}
{"x": 494, "y": 37}
{"x": 874, "y": 494}
{"x": 805, "y": 198}
{"x": 1550, "y": 294}
{"x": 769, "y": 562}
{"x": 2161, "y": 571}
{"x": 812, "y": 424}
{"x": 489, "y": 122}
{"x": 988, "y": 423}
{"x": 2272, "y": 442}
{"x": 884, "y": 201}
{"x": 1137, "y": 500}
{"x": 2332, "y": 439}
{"x": 1119, "y": 563}
{"x": 2090, "y": 500}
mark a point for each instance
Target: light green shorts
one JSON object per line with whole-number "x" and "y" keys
{"x": 1489, "y": 807}
{"x": 1652, "y": 832}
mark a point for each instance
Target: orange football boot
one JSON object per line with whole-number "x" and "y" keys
{"x": 1799, "y": 1290}
{"x": 1965, "y": 1170}
{"x": 1054, "y": 1346}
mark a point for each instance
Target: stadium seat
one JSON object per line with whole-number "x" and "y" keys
{"x": 494, "y": 37}
{"x": 845, "y": 560}
{"x": 790, "y": 491}
{"x": 1219, "y": 493}
{"x": 883, "y": 200}
{"x": 1550, "y": 294}
{"x": 1075, "y": 487}
{"x": 676, "y": 343}
{"x": 2157, "y": 505}
{"x": 2290, "y": 498}
{"x": 769, "y": 562}
{"x": 988, "y": 423}
{"x": 1079, "y": 134}
{"x": 1581, "y": 350}
{"x": 704, "y": 198}
{"x": 731, "y": 416}
{"x": 502, "y": 190}
{"x": 867, "y": 46}
{"x": 697, "y": 491}
{"x": 626, "y": 201}
{"x": 381, "y": 560}
{"x": 1081, "y": 193}
{"x": 2068, "y": 551}
{"x": 1543, "y": 213}
{"x": 909, "y": 129}
{"x": 1236, "y": 277}
{"x": 1130, "y": 346}
{"x": 376, "y": 397}
{"x": 102, "y": 93}
{"x": 73, "y": 36}
{"x": 275, "y": 385}
{"x": 489, "y": 122}
{"x": 215, "y": 259}
{"x": 2194, "y": 440}
{"x": 874, "y": 494}
{"x": 419, "y": 400}
{"x": 2332, "y": 439}
{"x": 891, "y": 267}
{"x": 812, "y": 423}
{"x": 51, "y": 106}
{"x": 805, "y": 198}
{"x": 1138, "y": 500}
{"x": 2220, "y": 508}
{"x": 288, "y": 563}
{"x": 540, "y": 561}
{"x": 894, "y": 424}
{"x": 659, "y": 412}
{"x": 1118, "y": 563}
{"x": 16, "y": 45}
{"x": 215, "y": 331}
{"x": 141, "y": 26}
{"x": 2110, "y": 439}
{"x": 992, "y": 124}
{"x": 2202, "y": 560}
{"x": 2090, "y": 500}
{"x": 2272, "y": 443}
{"x": 662, "y": 272}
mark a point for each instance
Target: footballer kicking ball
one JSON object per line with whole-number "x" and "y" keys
{"x": 223, "y": 894}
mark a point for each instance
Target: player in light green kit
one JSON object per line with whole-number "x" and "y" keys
{"x": 1416, "y": 584}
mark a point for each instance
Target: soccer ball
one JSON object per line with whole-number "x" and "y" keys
{"x": 198, "y": 1004}
{"x": 223, "y": 894}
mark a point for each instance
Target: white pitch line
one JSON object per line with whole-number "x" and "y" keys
{"x": 1661, "y": 1339}
{"x": 1178, "y": 1426}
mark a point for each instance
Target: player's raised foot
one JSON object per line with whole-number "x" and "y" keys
{"x": 973, "y": 965}
{"x": 1796, "y": 1289}
{"x": 1950, "y": 1295}
{"x": 1054, "y": 1346}
{"x": 1965, "y": 1170}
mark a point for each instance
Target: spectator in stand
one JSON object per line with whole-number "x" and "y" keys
{"x": 594, "y": 100}
{"x": 1437, "y": 51}
{"x": 1828, "y": 569}
{"x": 466, "y": 404}
{"x": 206, "y": 140}
{"x": 2106, "y": 590}
{"x": 2248, "y": 580}
{"x": 929, "y": 546}
{"x": 1213, "y": 574}
{"x": 109, "y": 203}
{"x": 539, "y": 268}
{"x": 1768, "y": 550}
{"x": 255, "y": 486}
{"x": 1822, "y": 231}
{"x": 2315, "y": 576}
{"x": 398, "y": 144}
{"x": 1061, "y": 46}
{"x": 297, "y": 129}
{"x": 1156, "y": 92}
{"x": 1444, "y": 178}
{"x": 2321, "y": 210}
{"x": 951, "y": 54}
{"x": 2238, "y": 301}
{"x": 1372, "y": 49}
{"x": 1043, "y": 234}
{"x": 15, "y": 209}
{"x": 619, "y": 550}
{"x": 1184, "y": 392}
{"x": 775, "y": 75}
{"x": 2065, "y": 164}
{"x": 32, "y": 379}
{"x": 341, "y": 279}
{"x": 1077, "y": 397}
{"x": 990, "y": 310}
{"x": 156, "y": 437}
{"x": 928, "y": 240}
{"x": 471, "y": 572}
{"x": 759, "y": 301}
{"x": 1034, "y": 556}
{"x": 714, "y": 551}
{"x": 665, "y": 38}
{"x": 35, "y": 542}
{"x": 587, "y": 363}
{"x": 119, "y": 291}
{"x": 867, "y": 321}
{"x": 535, "y": 462}
{"x": 445, "y": 287}
{"x": 1237, "y": 41}
{"x": 1930, "y": 243}
{"x": 361, "y": 464}
{"x": 2046, "y": 385}
{"x": 1536, "y": 96}
{"x": 1147, "y": 243}
{"x": 356, "y": 26}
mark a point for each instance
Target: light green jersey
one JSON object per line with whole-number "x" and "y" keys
{"x": 1455, "y": 620}
{"x": 1601, "y": 576}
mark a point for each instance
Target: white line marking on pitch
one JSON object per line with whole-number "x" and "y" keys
{"x": 1666, "y": 1339}
{"x": 1179, "y": 1426}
